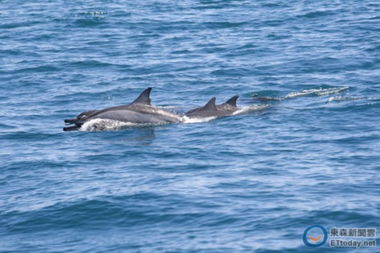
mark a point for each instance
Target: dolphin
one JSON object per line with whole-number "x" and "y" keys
{"x": 140, "y": 111}
{"x": 81, "y": 116}
{"x": 210, "y": 109}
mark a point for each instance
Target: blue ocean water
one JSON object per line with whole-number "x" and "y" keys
{"x": 249, "y": 183}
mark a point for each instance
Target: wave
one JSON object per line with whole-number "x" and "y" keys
{"x": 84, "y": 213}
{"x": 37, "y": 69}
{"x": 102, "y": 211}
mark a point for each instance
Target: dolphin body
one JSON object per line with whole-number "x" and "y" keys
{"x": 140, "y": 111}
{"x": 210, "y": 109}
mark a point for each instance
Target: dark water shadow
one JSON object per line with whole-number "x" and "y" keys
{"x": 137, "y": 135}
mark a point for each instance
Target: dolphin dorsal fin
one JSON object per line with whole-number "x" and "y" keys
{"x": 210, "y": 105}
{"x": 143, "y": 98}
{"x": 232, "y": 101}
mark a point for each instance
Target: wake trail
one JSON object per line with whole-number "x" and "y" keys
{"x": 304, "y": 93}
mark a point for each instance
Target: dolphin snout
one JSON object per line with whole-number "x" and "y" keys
{"x": 71, "y": 128}
{"x": 70, "y": 121}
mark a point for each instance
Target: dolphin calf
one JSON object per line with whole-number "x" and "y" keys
{"x": 140, "y": 111}
{"x": 210, "y": 109}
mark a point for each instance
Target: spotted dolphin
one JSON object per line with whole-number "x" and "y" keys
{"x": 140, "y": 111}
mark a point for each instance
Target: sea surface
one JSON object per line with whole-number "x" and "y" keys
{"x": 247, "y": 183}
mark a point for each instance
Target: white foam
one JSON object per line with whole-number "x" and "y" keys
{"x": 319, "y": 92}
{"x": 342, "y": 98}
{"x": 188, "y": 120}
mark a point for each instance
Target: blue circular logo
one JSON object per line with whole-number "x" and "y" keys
{"x": 315, "y": 236}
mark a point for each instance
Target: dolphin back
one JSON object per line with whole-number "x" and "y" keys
{"x": 208, "y": 110}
